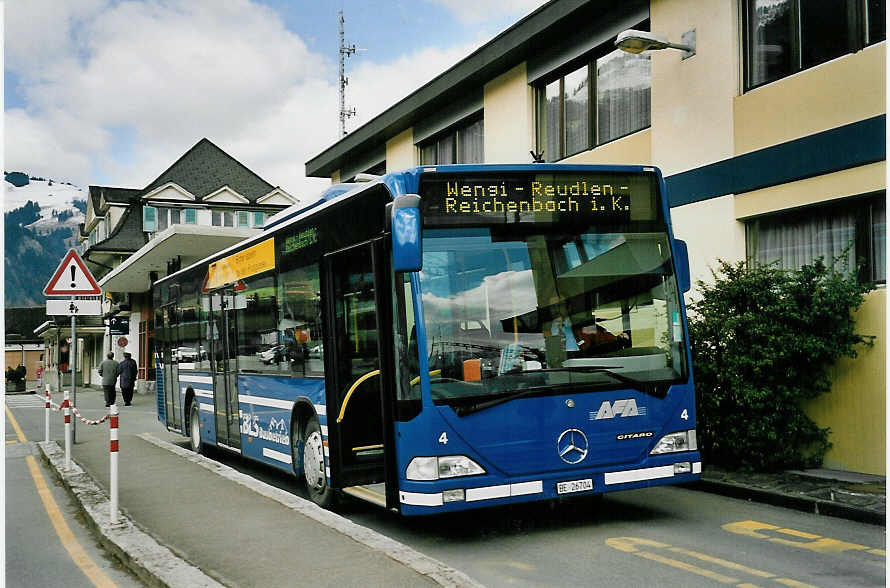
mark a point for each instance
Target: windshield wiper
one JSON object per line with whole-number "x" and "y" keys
{"x": 644, "y": 387}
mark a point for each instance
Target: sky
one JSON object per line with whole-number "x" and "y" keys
{"x": 111, "y": 92}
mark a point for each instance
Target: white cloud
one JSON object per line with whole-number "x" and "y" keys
{"x": 476, "y": 11}
{"x": 115, "y": 91}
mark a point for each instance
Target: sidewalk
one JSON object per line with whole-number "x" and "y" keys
{"x": 858, "y": 497}
{"x": 223, "y": 526}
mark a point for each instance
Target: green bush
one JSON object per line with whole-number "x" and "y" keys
{"x": 763, "y": 341}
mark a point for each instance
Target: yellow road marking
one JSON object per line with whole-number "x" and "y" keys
{"x": 687, "y": 567}
{"x": 793, "y": 583}
{"x": 816, "y": 543}
{"x": 12, "y": 441}
{"x": 15, "y": 426}
{"x": 632, "y": 544}
{"x": 80, "y": 558}
{"x": 727, "y": 564}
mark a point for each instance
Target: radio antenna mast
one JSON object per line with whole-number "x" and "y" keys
{"x": 344, "y": 81}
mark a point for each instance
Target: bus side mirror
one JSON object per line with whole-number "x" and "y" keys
{"x": 681, "y": 263}
{"x": 404, "y": 219}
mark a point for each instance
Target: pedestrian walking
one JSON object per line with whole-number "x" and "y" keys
{"x": 128, "y": 370}
{"x": 109, "y": 370}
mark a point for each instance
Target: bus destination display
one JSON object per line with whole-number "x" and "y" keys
{"x": 455, "y": 200}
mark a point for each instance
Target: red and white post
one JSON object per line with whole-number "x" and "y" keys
{"x": 48, "y": 410}
{"x": 67, "y": 411}
{"x": 114, "y": 451}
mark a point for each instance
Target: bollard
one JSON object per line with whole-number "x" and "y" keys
{"x": 65, "y": 405}
{"x": 112, "y": 430}
{"x": 48, "y": 408}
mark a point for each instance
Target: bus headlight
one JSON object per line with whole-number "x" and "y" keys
{"x": 674, "y": 442}
{"x": 445, "y": 466}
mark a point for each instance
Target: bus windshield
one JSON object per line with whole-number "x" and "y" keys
{"x": 539, "y": 309}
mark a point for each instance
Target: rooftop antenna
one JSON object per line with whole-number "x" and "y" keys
{"x": 345, "y": 51}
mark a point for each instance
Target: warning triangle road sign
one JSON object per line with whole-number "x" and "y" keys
{"x": 72, "y": 278}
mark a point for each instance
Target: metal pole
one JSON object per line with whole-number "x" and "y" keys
{"x": 67, "y": 413}
{"x": 113, "y": 424}
{"x": 73, "y": 364}
{"x": 46, "y": 402}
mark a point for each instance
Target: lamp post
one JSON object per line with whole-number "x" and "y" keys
{"x": 633, "y": 41}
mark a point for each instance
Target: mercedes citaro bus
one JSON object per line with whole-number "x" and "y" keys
{"x": 444, "y": 338}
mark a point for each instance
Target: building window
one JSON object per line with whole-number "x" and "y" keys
{"x": 228, "y": 219}
{"x": 243, "y": 218}
{"x": 851, "y": 234}
{"x": 618, "y": 84}
{"x": 783, "y": 37}
{"x": 216, "y": 218}
{"x": 259, "y": 218}
{"x": 175, "y": 216}
{"x": 163, "y": 218}
{"x": 191, "y": 216}
{"x": 461, "y": 144}
{"x": 149, "y": 219}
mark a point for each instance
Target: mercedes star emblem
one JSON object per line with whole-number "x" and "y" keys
{"x": 572, "y": 446}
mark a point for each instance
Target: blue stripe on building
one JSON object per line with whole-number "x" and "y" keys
{"x": 844, "y": 147}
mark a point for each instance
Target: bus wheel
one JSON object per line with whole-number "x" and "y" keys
{"x": 195, "y": 429}
{"x": 313, "y": 466}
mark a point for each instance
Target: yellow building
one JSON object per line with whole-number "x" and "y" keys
{"x": 770, "y": 133}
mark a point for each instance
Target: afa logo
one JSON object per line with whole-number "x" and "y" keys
{"x": 620, "y": 408}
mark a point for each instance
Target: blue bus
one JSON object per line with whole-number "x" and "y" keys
{"x": 444, "y": 338}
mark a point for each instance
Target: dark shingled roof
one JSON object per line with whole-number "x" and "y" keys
{"x": 21, "y": 322}
{"x": 127, "y": 235}
{"x": 205, "y": 168}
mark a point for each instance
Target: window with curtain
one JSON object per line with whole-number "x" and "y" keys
{"x": 623, "y": 95}
{"x": 851, "y": 235}
{"x": 783, "y": 37}
{"x": 604, "y": 99}
{"x": 461, "y": 144}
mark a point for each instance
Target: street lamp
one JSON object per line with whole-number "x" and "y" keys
{"x": 634, "y": 41}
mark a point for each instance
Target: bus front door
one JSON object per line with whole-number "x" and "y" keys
{"x": 225, "y": 368}
{"x": 357, "y": 414}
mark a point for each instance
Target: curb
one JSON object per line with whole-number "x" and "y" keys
{"x": 435, "y": 570}
{"x": 150, "y": 561}
{"x": 797, "y": 502}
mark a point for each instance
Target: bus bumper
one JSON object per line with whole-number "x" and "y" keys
{"x": 425, "y": 498}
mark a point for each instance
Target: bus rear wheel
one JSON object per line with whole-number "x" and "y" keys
{"x": 195, "y": 429}
{"x": 313, "y": 466}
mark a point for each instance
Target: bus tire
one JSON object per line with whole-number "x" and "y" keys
{"x": 313, "y": 466}
{"x": 195, "y": 429}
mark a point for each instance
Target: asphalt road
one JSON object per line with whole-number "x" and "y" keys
{"x": 47, "y": 540}
{"x": 669, "y": 536}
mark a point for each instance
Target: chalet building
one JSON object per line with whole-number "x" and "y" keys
{"x": 769, "y": 127}
{"x": 204, "y": 202}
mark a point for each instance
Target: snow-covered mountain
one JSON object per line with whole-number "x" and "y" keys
{"x": 56, "y": 200}
{"x": 37, "y": 237}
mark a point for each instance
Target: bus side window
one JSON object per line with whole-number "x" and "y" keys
{"x": 301, "y": 347}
